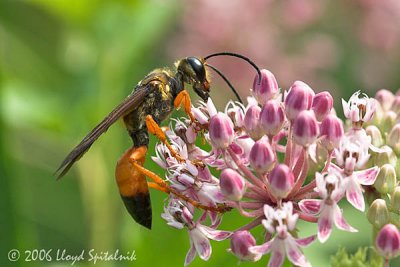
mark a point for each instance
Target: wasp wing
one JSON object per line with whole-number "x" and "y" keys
{"x": 129, "y": 104}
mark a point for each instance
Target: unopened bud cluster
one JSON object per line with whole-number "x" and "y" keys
{"x": 384, "y": 196}
{"x": 283, "y": 157}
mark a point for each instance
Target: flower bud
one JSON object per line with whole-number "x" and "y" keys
{"x": 378, "y": 214}
{"x": 393, "y": 139}
{"x": 281, "y": 180}
{"x": 267, "y": 89}
{"x": 322, "y": 105}
{"x": 388, "y": 241}
{"x": 386, "y": 180}
{"x": 262, "y": 156}
{"x": 221, "y": 130}
{"x": 272, "y": 117}
{"x": 385, "y": 98}
{"x": 388, "y": 121}
{"x": 395, "y": 200}
{"x": 396, "y": 104}
{"x": 299, "y": 98}
{"x": 332, "y": 131}
{"x": 240, "y": 243}
{"x": 232, "y": 184}
{"x": 376, "y": 136}
{"x": 252, "y": 122}
{"x": 387, "y": 156}
{"x": 305, "y": 128}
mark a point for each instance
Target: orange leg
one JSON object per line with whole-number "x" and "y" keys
{"x": 153, "y": 128}
{"x": 161, "y": 183}
{"x": 157, "y": 187}
{"x": 183, "y": 98}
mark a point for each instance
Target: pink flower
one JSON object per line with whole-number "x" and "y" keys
{"x": 330, "y": 189}
{"x": 221, "y": 130}
{"x": 322, "y": 105}
{"x": 305, "y": 128}
{"x": 281, "y": 180}
{"x": 241, "y": 241}
{"x": 299, "y": 98}
{"x": 252, "y": 122}
{"x": 280, "y": 222}
{"x": 331, "y": 132}
{"x": 272, "y": 117}
{"x": 262, "y": 156}
{"x": 232, "y": 184}
{"x": 267, "y": 89}
{"x": 388, "y": 241}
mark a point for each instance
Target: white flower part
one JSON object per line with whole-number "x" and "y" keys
{"x": 359, "y": 108}
{"x": 251, "y": 101}
{"x": 199, "y": 115}
{"x": 331, "y": 180}
{"x": 212, "y": 110}
{"x": 280, "y": 220}
{"x": 172, "y": 212}
{"x": 353, "y": 152}
{"x": 235, "y": 110}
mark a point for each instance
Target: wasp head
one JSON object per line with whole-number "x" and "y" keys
{"x": 193, "y": 72}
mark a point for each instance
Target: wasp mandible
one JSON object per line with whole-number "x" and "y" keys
{"x": 151, "y": 101}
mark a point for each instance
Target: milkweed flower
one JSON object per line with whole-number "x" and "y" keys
{"x": 276, "y": 162}
{"x": 359, "y": 109}
{"x": 179, "y": 216}
{"x": 330, "y": 188}
{"x": 279, "y": 222}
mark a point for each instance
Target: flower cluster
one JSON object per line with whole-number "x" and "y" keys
{"x": 283, "y": 157}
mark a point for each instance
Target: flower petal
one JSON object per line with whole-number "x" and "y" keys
{"x": 262, "y": 249}
{"x": 213, "y": 234}
{"x": 346, "y": 109}
{"x": 340, "y": 222}
{"x": 310, "y": 206}
{"x": 200, "y": 117}
{"x": 294, "y": 253}
{"x": 324, "y": 226}
{"x": 276, "y": 259}
{"x": 368, "y": 176}
{"x": 159, "y": 162}
{"x": 354, "y": 195}
{"x": 303, "y": 242}
{"x": 201, "y": 243}
{"x": 212, "y": 110}
{"x": 190, "y": 254}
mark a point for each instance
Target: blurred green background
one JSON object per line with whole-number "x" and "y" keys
{"x": 65, "y": 64}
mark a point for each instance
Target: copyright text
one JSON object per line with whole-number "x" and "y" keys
{"x": 63, "y": 255}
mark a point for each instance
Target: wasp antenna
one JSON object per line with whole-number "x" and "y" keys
{"x": 226, "y": 80}
{"x": 238, "y": 56}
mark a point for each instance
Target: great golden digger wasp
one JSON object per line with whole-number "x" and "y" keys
{"x": 151, "y": 101}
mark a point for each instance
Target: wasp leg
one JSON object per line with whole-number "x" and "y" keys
{"x": 161, "y": 183}
{"x": 158, "y": 187}
{"x": 153, "y": 128}
{"x": 133, "y": 187}
{"x": 183, "y": 98}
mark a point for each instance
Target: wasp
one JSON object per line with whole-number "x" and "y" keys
{"x": 150, "y": 103}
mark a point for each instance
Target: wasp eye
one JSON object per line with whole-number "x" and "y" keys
{"x": 198, "y": 68}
